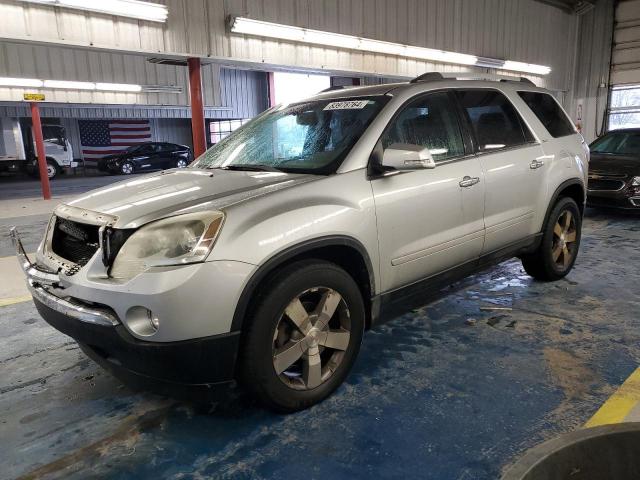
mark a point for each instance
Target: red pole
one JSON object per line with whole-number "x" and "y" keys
{"x": 197, "y": 109}
{"x": 42, "y": 160}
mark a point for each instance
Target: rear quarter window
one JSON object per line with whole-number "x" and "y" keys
{"x": 495, "y": 122}
{"x": 550, "y": 114}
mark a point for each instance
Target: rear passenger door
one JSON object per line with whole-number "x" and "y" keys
{"x": 429, "y": 220}
{"x": 511, "y": 159}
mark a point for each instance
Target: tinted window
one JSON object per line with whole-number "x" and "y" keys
{"x": 494, "y": 120}
{"x": 549, "y": 113}
{"x": 620, "y": 143}
{"x": 53, "y": 134}
{"x": 144, "y": 150}
{"x": 429, "y": 122}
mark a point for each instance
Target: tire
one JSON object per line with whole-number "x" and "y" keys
{"x": 52, "y": 169}
{"x": 270, "y": 330}
{"x": 558, "y": 250}
{"x": 126, "y": 168}
{"x": 181, "y": 163}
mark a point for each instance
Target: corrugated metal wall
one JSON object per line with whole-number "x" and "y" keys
{"x": 236, "y": 93}
{"x": 175, "y": 130}
{"x": 522, "y": 30}
{"x": 588, "y": 100}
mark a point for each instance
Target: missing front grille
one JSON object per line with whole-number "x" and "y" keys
{"x": 75, "y": 242}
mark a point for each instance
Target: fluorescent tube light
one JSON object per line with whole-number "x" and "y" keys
{"x": 526, "y": 68}
{"x": 119, "y": 87}
{"x": 248, "y": 26}
{"x": 69, "y": 85}
{"x": 73, "y": 85}
{"x": 153, "y": 12}
{"x": 20, "y": 82}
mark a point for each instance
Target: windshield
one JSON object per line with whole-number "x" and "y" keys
{"x": 620, "y": 143}
{"x": 309, "y": 137}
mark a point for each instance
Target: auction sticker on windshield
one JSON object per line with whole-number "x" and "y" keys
{"x": 347, "y": 105}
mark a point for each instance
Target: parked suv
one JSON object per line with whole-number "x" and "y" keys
{"x": 268, "y": 257}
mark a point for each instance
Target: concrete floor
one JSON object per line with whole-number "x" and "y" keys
{"x": 433, "y": 394}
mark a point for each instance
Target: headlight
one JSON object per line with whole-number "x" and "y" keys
{"x": 172, "y": 241}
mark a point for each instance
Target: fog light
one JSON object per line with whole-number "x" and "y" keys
{"x": 142, "y": 321}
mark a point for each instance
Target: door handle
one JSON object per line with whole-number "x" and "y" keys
{"x": 536, "y": 164}
{"x": 468, "y": 181}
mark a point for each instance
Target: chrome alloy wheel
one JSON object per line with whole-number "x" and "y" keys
{"x": 311, "y": 338}
{"x": 563, "y": 247}
{"x": 181, "y": 163}
{"x": 126, "y": 168}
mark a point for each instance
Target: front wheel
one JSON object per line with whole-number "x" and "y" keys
{"x": 303, "y": 335}
{"x": 181, "y": 163}
{"x": 126, "y": 168}
{"x": 558, "y": 250}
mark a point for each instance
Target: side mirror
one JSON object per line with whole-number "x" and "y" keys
{"x": 403, "y": 156}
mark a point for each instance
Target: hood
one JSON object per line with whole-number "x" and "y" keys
{"x": 608, "y": 164}
{"x": 162, "y": 194}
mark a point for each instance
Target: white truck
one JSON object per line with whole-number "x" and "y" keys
{"x": 18, "y": 150}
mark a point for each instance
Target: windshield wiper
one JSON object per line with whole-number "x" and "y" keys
{"x": 252, "y": 168}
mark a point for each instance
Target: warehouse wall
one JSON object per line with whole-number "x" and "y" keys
{"x": 522, "y": 30}
{"x": 587, "y": 102}
{"x": 238, "y": 93}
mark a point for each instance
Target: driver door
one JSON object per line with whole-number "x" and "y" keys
{"x": 429, "y": 220}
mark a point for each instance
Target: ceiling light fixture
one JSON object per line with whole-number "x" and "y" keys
{"x": 20, "y": 82}
{"x": 153, "y": 12}
{"x": 248, "y": 26}
{"x": 69, "y": 85}
{"x": 73, "y": 85}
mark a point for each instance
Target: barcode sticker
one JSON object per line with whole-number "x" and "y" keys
{"x": 347, "y": 105}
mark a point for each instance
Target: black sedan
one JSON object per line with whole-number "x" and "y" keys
{"x": 147, "y": 156}
{"x": 614, "y": 170}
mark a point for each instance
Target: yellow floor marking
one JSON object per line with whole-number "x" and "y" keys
{"x": 620, "y": 404}
{"x": 10, "y": 301}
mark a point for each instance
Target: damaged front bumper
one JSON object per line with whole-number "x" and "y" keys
{"x": 103, "y": 337}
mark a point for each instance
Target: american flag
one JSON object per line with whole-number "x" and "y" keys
{"x": 99, "y": 138}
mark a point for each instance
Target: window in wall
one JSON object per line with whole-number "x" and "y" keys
{"x": 219, "y": 129}
{"x": 495, "y": 122}
{"x": 431, "y": 122}
{"x": 625, "y": 107}
{"x": 549, "y": 113}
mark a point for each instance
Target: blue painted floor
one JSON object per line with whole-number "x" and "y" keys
{"x": 444, "y": 392}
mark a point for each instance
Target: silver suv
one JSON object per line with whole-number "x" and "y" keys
{"x": 270, "y": 255}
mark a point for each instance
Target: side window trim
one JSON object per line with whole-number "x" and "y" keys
{"x": 470, "y": 131}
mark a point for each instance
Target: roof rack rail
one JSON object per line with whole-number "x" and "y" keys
{"x": 521, "y": 80}
{"x": 435, "y": 76}
{"x": 336, "y": 87}
{"x": 427, "y": 77}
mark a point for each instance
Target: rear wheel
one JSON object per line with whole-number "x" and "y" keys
{"x": 303, "y": 335}
{"x": 560, "y": 243}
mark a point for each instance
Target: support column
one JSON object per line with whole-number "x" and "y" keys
{"x": 271, "y": 89}
{"x": 197, "y": 108}
{"x": 42, "y": 160}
